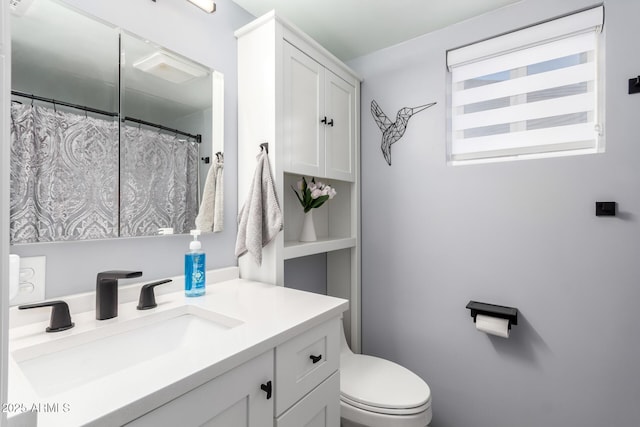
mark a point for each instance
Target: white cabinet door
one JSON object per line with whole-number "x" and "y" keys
{"x": 303, "y": 104}
{"x": 340, "y": 108}
{"x": 319, "y": 119}
{"x": 320, "y": 408}
{"x": 235, "y": 398}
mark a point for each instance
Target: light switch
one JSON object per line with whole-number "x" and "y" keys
{"x": 605, "y": 208}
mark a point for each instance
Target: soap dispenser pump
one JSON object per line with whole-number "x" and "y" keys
{"x": 194, "y": 268}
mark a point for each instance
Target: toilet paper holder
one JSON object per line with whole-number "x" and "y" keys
{"x": 500, "y": 311}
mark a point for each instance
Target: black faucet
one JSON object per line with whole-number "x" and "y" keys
{"x": 107, "y": 292}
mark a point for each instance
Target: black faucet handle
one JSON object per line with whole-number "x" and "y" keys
{"x": 60, "y": 317}
{"x": 147, "y": 296}
{"x": 118, "y": 274}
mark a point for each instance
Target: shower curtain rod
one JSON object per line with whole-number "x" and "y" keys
{"x": 66, "y": 104}
{"x": 197, "y": 137}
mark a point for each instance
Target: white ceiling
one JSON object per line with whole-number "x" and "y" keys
{"x": 352, "y": 28}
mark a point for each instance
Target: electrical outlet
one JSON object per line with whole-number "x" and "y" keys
{"x": 31, "y": 284}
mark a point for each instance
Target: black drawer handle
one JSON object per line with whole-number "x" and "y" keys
{"x": 315, "y": 359}
{"x": 267, "y": 389}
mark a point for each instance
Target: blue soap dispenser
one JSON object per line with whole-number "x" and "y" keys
{"x": 194, "y": 268}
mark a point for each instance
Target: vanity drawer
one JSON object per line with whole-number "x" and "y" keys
{"x": 320, "y": 408}
{"x": 305, "y": 361}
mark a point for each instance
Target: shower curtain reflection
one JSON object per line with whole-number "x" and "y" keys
{"x": 64, "y": 170}
{"x": 65, "y": 175}
{"x": 159, "y": 182}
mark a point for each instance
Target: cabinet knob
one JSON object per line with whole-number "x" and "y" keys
{"x": 326, "y": 121}
{"x": 315, "y": 359}
{"x": 267, "y": 389}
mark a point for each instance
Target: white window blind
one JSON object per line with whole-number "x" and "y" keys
{"x": 527, "y": 92}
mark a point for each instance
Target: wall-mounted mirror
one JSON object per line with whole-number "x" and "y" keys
{"x": 166, "y": 109}
{"x": 111, "y": 135}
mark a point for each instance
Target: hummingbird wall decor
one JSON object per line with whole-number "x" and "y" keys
{"x": 393, "y": 131}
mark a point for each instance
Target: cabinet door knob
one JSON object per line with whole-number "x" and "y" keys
{"x": 324, "y": 120}
{"x": 330, "y": 123}
{"x": 267, "y": 389}
{"x": 315, "y": 359}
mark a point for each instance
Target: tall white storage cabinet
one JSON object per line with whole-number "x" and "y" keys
{"x": 305, "y": 103}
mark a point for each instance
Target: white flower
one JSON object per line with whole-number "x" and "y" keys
{"x": 308, "y": 193}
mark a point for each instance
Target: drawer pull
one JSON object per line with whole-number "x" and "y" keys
{"x": 315, "y": 359}
{"x": 267, "y": 389}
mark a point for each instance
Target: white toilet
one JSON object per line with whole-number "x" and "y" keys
{"x": 376, "y": 392}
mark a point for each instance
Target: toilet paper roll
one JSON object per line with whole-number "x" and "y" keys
{"x": 492, "y": 325}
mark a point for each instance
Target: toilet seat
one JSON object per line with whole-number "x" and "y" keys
{"x": 381, "y": 386}
{"x": 386, "y": 411}
{"x": 350, "y": 416}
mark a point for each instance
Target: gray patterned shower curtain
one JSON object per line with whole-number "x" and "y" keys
{"x": 64, "y": 178}
{"x": 159, "y": 182}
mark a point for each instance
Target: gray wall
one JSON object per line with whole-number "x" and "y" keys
{"x": 208, "y": 39}
{"x": 308, "y": 273}
{"x": 519, "y": 233}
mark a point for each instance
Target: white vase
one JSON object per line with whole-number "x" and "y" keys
{"x": 308, "y": 232}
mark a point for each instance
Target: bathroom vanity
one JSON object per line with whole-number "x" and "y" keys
{"x": 246, "y": 353}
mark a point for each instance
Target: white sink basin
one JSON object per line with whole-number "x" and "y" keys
{"x": 72, "y": 361}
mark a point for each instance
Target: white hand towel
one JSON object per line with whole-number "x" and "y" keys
{"x": 218, "y": 214}
{"x": 260, "y": 219}
{"x": 210, "y": 214}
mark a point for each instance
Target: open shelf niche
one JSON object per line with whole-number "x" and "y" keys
{"x": 332, "y": 220}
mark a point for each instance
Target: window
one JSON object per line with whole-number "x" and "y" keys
{"x": 528, "y": 92}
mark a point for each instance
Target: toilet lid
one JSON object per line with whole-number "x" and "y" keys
{"x": 380, "y": 383}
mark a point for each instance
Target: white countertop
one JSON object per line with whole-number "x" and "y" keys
{"x": 270, "y": 314}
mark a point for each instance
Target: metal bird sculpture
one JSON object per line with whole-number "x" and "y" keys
{"x": 393, "y": 131}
